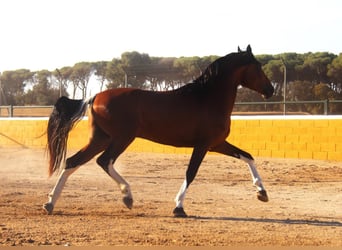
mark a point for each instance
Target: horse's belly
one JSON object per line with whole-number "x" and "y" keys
{"x": 185, "y": 135}
{"x": 169, "y": 137}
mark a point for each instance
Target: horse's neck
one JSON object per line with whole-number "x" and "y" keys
{"x": 225, "y": 95}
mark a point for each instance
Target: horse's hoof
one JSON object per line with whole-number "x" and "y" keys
{"x": 48, "y": 207}
{"x": 128, "y": 202}
{"x": 262, "y": 196}
{"x": 179, "y": 212}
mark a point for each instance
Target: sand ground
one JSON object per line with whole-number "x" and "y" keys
{"x": 305, "y": 207}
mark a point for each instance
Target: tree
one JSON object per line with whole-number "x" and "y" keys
{"x": 160, "y": 74}
{"x": 43, "y": 91}
{"x": 291, "y": 60}
{"x": 168, "y": 77}
{"x": 335, "y": 73}
{"x": 156, "y": 73}
{"x": 13, "y": 85}
{"x": 300, "y": 91}
{"x": 63, "y": 78}
{"x": 309, "y": 76}
{"x": 322, "y": 91}
{"x": 204, "y": 62}
{"x": 115, "y": 74}
{"x": 3, "y": 100}
{"x": 190, "y": 67}
{"x": 274, "y": 70}
{"x": 248, "y": 95}
{"x": 100, "y": 70}
{"x": 80, "y": 76}
{"x": 315, "y": 67}
{"x": 135, "y": 66}
{"x": 264, "y": 58}
{"x": 274, "y": 67}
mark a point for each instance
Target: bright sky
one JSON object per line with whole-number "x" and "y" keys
{"x": 49, "y": 34}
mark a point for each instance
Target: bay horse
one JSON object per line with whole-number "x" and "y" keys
{"x": 196, "y": 115}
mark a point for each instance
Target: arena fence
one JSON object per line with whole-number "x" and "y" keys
{"x": 307, "y": 137}
{"x": 325, "y": 107}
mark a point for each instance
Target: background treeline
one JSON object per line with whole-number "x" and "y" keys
{"x": 309, "y": 77}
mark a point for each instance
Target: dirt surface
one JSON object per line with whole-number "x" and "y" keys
{"x": 305, "y": 207}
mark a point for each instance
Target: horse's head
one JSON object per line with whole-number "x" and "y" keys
{"x": 251, "y": 75}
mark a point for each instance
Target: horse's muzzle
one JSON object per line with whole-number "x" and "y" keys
{"x": 268, "y": 91}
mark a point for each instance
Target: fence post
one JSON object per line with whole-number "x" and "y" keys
{"x": 326, "y": 106}
{"x": 11, "y": 110}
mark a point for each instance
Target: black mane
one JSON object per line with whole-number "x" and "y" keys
{"x": 217, "y": 70}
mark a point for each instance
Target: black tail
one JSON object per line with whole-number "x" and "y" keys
{"x": 65, "y": 115}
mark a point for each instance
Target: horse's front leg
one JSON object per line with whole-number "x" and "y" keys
{"x": 261, "y": 194}
{"x": 230, "y": 150}
{"x": 195, "y": 161}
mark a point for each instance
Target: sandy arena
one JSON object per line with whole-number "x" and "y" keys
{"x": 305, "y": 207}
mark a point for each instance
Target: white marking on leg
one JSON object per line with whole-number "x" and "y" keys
{"x": 123, "y": 184}
{"x": 255, "y": 176}
{"x": 57, "y": 190}
{"x": 181, "y": 195}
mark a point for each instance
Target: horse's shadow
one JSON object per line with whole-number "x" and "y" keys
{"x": 320, "y": 223}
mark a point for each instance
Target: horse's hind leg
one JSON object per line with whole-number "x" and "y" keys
{"x": 56, "y": 191}
{"x": 230, "y": 150}
{"x": 106, "y": 161}
{"x": 72, "y": 164}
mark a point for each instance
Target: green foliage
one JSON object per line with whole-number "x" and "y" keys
{"x": 13, "y": 85}
{"x": 115, "y": 74}
{"x": 135, "y": 66}
{"x": 309, "y": 76}
{"x": 315, "y": 67}
{"x": 100, "y": 70}
{"x": 80, "y": 76}
{"x": 62, "y": 79}
{"x": 335, "y": 73}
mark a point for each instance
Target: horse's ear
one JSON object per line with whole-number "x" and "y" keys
{"x": 249, "y": 49}
{"x": 239, "y": 50}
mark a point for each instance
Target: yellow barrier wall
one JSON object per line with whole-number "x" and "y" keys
{"x": 314, "y": 137}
